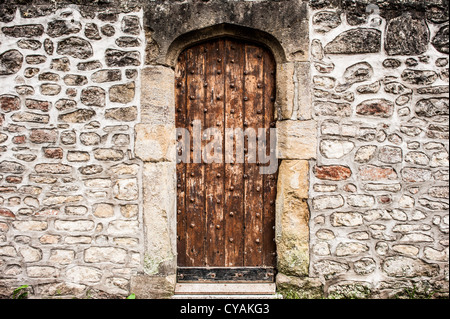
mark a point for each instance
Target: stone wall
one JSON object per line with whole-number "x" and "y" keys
{"x": 379, "y": 188}
{"x": 70, "y": 216}
{"x": 87, "y": 143}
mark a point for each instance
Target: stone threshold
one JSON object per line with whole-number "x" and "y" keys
{"x": 224, "y": 289}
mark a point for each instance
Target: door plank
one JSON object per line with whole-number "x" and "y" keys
{"x": 195, "y": 219}
{"x": 234, "y": 182}
{"x": 253, "y": 119}
{"x": 180, "y": 120}
{"x": 214, "y": 171}
{"x": 269, "y": 180}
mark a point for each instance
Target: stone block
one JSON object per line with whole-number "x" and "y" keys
{"x": 335, "y": 149}
{"x": 400, "y": 266}
{"x": 296, "y": 139}
{"x": 292, "y": 229}
{"x": 42, "y": 272}
{"x": 74, "y": 225}
{"x": 327, "y": 202}
{"x": 351, "y": 249}
{"x": 293, "y": 180}
{"x": 83, "y": 274}
{"x": 122, "y": 93}
{"x": 157, "y": 95}
{"x": 305, "y": 288}
{"x": 159, "y": 180}
{"x": 152, "y": 287}
{"x": 286, "y": 95}
{"x": 123, "y": 227}
{"x": 103, "y": 210}
{"x": 30, "y": 225}
{"x": 348, "y": 219}
{"x": 305, "y": 108}
{"x": 155, "y": 143}
{"x": 126, "y": 189}
{"x": 61, "y": 256}
{"x": 105, "y": 254}
{"x": 108, "y": 154}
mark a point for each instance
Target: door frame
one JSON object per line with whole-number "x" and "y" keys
{"x": 155, "y": 145}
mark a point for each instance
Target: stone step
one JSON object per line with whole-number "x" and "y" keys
{"x": 225, "y": 289}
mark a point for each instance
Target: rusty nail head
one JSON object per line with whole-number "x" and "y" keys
{"x": 192, "y": 225}
{"x": 218, "y": 226}
{"x": 231, "y": 214}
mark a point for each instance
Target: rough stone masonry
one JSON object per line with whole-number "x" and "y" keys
{"x": 87, "y": 196}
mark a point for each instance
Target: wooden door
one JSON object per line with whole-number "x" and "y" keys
{"x": 225, "y": 211}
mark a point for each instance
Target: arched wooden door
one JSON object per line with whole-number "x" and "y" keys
{"x": 226, "y": 211}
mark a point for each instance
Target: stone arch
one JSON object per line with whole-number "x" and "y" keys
{"x": 224, "y": 30}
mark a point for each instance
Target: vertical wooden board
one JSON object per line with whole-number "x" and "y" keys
{"x": 195, "y": 220}
{"x": 253, "y": 119}
{"x": 180, "y": 122}
{"x": 214, "y": 172}
{"x": 269, "y": 180}
{"x": 234, "y": 183}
